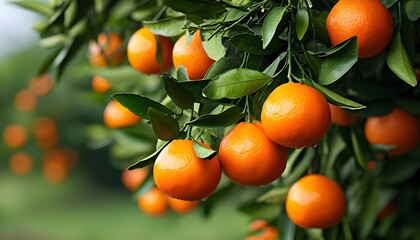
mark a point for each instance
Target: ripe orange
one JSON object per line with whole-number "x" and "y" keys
{"x": 192, "y": 56}
{"x": 46, "y": 132}
{"x": 117, "y": 116}
{"x": 142, "y": 51}
{"x": 260, "y": 230}
{"x": 397, "y": 128}
{"x": 132, "y": 179}
{"x": 41, "y": 85}
{"x": 55, "y": 166}
{"x": 315, "y": 201}
{"x": 181, "y": 206}
{"x": 179, "y": 173}
{"x": 25, "y": 100}
{"x": 20, "y": 163}
{"x": 100, "y": 84}
{"x": 249, "y": 157}
{"x": 107, "y": 51}
{"x": 341, "y": 117}
{"x": 295, "y": 115}
{"x": 369, "y": 20}
{"x": 14, "y": 135}
{"x": 153, "y": 202}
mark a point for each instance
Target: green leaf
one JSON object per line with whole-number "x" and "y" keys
{"x": 149, "y": 160}
{"x": 223, "y": 119}
{"x": 231, "y": 60}
{"x": 139, "y": 105}
{"x": 272, "y": 20}
{"x": 251, "y": 43}
{"x": 181, "y": 74}
{"x": 399, "y": 62}
{"x": 302, "y": 22}
{"x": 196, "y": 87}
{"x": 236, "y": 83}
{"x": 288, "y": 228}
{"x": 368, "y": 213}
{"x": 203, "y": 8}
{"x": 337, "y": 64}
{"x": 271, "y": 70}
{"x": 181, "y": 96}
{"x": 274, "y": 196}
{"x": 35, "y": 6}
{"x": 214, "y": 47}
{"x": 358, "y": 151}
{"x": 331, "y": 50}
{"x": 165, "y": 127}
{"x": 203, "y": 152}
{"x": 412, "y": 8}
{"x": 169, "y": 27}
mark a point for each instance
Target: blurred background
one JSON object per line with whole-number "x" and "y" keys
{"x": 55, "y": 182}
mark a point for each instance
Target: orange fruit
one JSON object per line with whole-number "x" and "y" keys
{"x": 117, "y": 116}
{"x": 181, "y": 206}
{"x": 295, "y": 115}
{"x": 192, "y": 56}
{"x": 153, "y": 202}
{"x": 397, "y": 128}
{"x": 179, "y": 173}
{"x": 14, "y": 135}
{"x": 369, "y": 20}
{"x": 132, "y": 179}
{"x": 257, "y": 225}
{"x": 100, "y": 84}
{"x": 55, "y": 166}
{"x": 390, "y": 208}
{"x": 25, "y": 100}
{"x": 107, "y": 51}
{"x": 315, "y": 201}
{"x": 20, "y": 163}
{"x": 260, "y": 230}
{"x": 341, "y": 117}
{"x": 41, "y": 85}
{"x": 142, "y": 51}
{"x": 46, "y": 132}
{"x": 249, "y": 157}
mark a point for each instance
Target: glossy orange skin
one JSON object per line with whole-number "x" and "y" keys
{"x": 341, "y": 117}
{"x": 266, "y": 232}
{"x": 397, "y": 128}
{"x": 315, "y": 201}
{"x": 369, "y": 20}
{"x": 107, "y": 51}
{"x": 153, "y": 202}
{"x": 180, "y": 174}
{"x": 181, "y": 206}
{"x": 192, "y": 57}
{"x": 20, "y": 163}
{"x": 132, "y": 179}
{"x": 14, "y": 135}
{"x": 249, "y": 157}
{"x": 295, "y": 116}
{"x": 100, "y": 84}
{"x": 41, "y": 85}
{"x": 46, "y": 132}
{"x": 25, "y": 100}
{"x": 118, "y": 116}
{"x": 142, "y": 49}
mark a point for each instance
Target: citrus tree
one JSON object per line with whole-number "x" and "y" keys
{"x": 314, "y": 102}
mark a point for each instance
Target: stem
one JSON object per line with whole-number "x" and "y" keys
{"x": 248, "y": 109}
{"x": 289, "y": 52}
{"x": 311, "y": 19}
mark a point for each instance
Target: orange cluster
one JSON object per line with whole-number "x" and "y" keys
{"x": 259, "y": 229}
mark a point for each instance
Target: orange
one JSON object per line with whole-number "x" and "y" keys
{"x": 390, "y": 208}
{"x": 153, "y": 202}
{"x": 143, "y": 49}
{"x": 249, "y": 157}
{"x": 295, "y": 115}
{"x": 41, "y": 85}
{"x": 46, "y": 132}
{"x": 100, "y": 84}
{"x": 25, "y": 100}
{"x": 257, "y": 225}
{"x": 181, "y": 206}
{"x": 55, "y": 166}
{"x": 315, "y": 201}
{"x": 341, "y": 117}
{"x": 369, "y": 20}
{"x": 117, "y": 116}
{"x": 179, "y": 173}
{"x": 20, "y": 163}
{"x": 192, "y": 56}
{"x": 107, "y": 51}
{"x": 260, "y": 230}
{"x": 14, "y": 135}
{"x": 132, "y": 179}
{"x": 397, "y": 128}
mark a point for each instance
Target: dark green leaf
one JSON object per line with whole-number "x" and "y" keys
{"x": 48, "y": 61}
{"x": 409, "y": 105}
{"x": 196, "y": 87}
{"x": 35, "y": 6}
{"x": 336, "y": 65}
{"x": 272, "y": 20}
{"x": 302, "y": 22}
{"x": 203, "y": 8}
{"x": 332, "y": 50}
{"x": 223, "y": 119}
{"x": 231, "y": 60}
{"x": 165, "y": 127}
{"x": 139, "y": 105}
{"x": 389, "y": 3}
{"x": 412, "y": 8}
{"x": 147, "y": 160}
{"x": 203, "y": 152}
{"x": 181, "y": 96}
{"x": 236, "y": 83}
{"x": 368, "y": 213}
{"x": 288, "y": 228}
{"x": 358, "y": 151}
{"x": 271, "y": 70}
{"x": 169, "y": 27}
{"x": 399, "y": 62}
{"x": 274, "y": 196}
{"x": 376, "y": 108}
{"x": 181, "y": 74}
{"x": 66, "y": 55}
{"x": 251, "y": 43}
